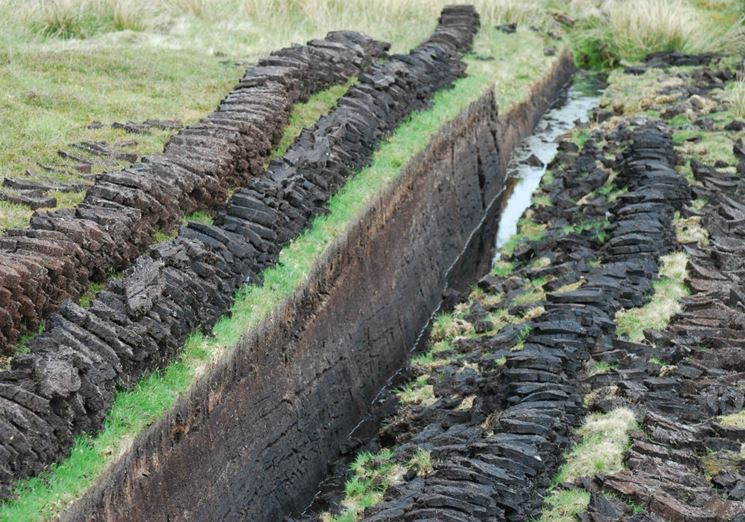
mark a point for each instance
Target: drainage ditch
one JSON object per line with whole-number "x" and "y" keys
{"x": 528, "y": 164}
{"x": 572, "y": 107}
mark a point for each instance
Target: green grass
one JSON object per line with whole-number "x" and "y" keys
{"x": 51, "y": 93}
{"x": 580, "y": 137}
{"x": 52, "y": 491}
{"x": 201, "y": 216}
{"x": 528, "y": 230}
{"x": 422, "y": 461}
{"x": 502, "y": 268}
{"x": 22, "y": 346}
{"x": 372, "y": 474}
{"x": 604, "y": 438}
{"x": 599, "y": 368}
{"x": 598, "y": 226}
{"x": 417, "y": 391}
{"x": 87, "y": 298}
{"x": 565, "y": 505}
{"x": 665, "y": 302}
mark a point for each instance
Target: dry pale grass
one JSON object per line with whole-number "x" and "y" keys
{"x": 665, "y": 302}
{"x": 640, "y": 25}
{"x": 690, "y": 230}
{"x": 250, "y": 24}
{"x": 735, "y": 98}
{"x": 604, "y": 440}
{"x": 628, "y": 30}
{"x": 734, "y": 420}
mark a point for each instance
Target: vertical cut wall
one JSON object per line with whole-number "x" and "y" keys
{"x": 252, "y": 439}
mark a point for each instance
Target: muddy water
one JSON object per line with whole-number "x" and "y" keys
{"x": 573, "y": 106}
{"x": 525, "y": 173}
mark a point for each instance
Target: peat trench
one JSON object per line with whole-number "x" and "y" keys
{"x": 263, "y": 423}
{"x": 66, "y": 384}
{"x": 525, "y": 169}
{"x": 528, "y": 164}
{"x": 494, "y": 457}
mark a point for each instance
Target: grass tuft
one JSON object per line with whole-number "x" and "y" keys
{"x": 604, "y": 438}
{"x": 422, "y": 461}
{"x": 565, "y": 505}
{"x": 665, "y": 302}
{"x": 418, "y": 391}
{"x": 628, "y": 30}
{"x": 372, "y": 475}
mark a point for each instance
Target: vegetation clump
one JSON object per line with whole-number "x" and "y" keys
{"x": 665, "y": 302}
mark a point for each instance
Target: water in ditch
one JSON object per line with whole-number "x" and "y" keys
{"x": 528, "y": 164}
{"x": 573, "y": 106}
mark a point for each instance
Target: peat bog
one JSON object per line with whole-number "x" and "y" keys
{"x": 474, "y": 262}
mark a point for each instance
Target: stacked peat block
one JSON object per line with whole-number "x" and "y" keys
{"x": 65, "y": 385}
{"x": 704, "y": 353}
{"x": 500, "y": 476}
{"x": 62, "y": 251}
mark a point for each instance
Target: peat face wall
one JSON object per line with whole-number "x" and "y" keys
{"x": 512, "y": 127}
{"x": 252, "y": 439}
{"x": 65, "y": 385}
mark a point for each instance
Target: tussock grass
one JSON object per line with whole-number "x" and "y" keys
{"x": 604, "y": 438}
{"x": 665, "y": 302}
{"x": 628, "y": 30}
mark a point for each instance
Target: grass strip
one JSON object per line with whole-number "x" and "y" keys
{"x": 604, "y": 439}
{"x": 665, "y": 302}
